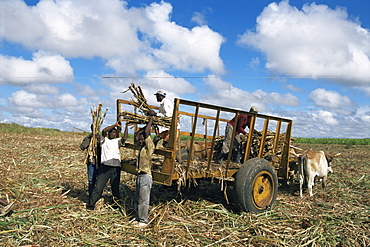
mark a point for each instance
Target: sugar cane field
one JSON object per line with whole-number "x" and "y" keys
{"x": 43, "y": 173}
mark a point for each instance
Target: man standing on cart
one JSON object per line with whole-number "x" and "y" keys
{"x": 243, "y": 122}
{"x": 165, "y": 110}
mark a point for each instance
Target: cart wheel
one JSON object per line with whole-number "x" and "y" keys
{"x": 256, "y": 185}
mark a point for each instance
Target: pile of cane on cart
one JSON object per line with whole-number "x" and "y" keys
{"x": 140, "y": 102}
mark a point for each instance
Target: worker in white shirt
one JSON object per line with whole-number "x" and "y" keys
{"x": 165, "y": 110}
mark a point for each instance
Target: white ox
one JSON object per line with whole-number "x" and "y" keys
{"x": 313, "y": 164}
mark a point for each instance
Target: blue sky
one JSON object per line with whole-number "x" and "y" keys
{"x": 303, "y": 60}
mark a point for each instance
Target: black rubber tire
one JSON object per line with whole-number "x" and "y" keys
{"x": 256, "y": 185}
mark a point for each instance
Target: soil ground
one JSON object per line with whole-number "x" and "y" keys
{"x": 44, "y": 175}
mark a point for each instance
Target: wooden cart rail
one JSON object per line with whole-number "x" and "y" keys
{"x": 167, "y": 174}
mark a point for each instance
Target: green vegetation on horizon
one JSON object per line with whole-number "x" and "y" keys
{"x": 20, "y": 129}
{"x": 340, "y": 141}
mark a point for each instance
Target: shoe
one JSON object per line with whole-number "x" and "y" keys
{"x": 139, "y": 224}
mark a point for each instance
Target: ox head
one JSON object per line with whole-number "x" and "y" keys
{"x": 330, "y": 170}
{"x": 329, "y": 159}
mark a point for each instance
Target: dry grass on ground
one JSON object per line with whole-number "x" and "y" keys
{"x": 46, "y": 177}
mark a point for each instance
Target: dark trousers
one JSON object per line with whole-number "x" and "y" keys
{"x": 91, "y": 177}
{"x": 105, "y": 173}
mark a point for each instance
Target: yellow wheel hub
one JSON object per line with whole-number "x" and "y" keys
{"x": 263, "y": 190}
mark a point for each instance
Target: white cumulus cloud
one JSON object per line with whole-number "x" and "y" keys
{"x": 67, "y": 100}
{"x": 41, "y": 89}
{"x": 222, "y": 92}
{"x": 313, "y": 42}
{"x": 325, "y": 117}
{"x": 22, "y": 98}
{"x": 127, "y": 39}
{"x": 193, "y": 49}
{"x": 43, "y": 68}
{"x": 329, "y": 99}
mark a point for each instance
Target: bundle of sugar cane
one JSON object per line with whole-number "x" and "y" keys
{"x": 139, "y": 119}
{"x": 97, "y": 120}
{"x": 141, "y": 101}
{"x": 269, "y": 148}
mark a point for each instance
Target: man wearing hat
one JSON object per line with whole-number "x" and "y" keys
{"x": 243, "y": 122}
{"x": 165, "y": 110}
{"x": 165, "y": 105}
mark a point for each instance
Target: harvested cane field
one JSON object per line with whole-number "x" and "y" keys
{"x": 44, "y": 175}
